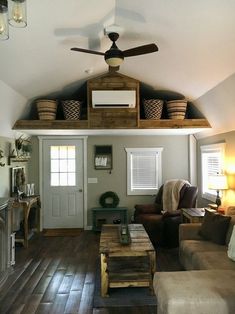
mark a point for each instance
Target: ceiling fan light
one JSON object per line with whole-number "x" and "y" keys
{"x": 4, "y": 29}
{"x": 114, "y": 61}
{"x": 17, "y": 13}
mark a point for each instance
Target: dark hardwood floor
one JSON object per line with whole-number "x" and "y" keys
{"x": 57, "y": 275}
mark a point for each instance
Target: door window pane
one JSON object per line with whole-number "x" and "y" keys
{"x": 54, "y": 165}
{"x": 71, "y": 165}
{"x": 63, "y": 165}
{"x": 54, "y": 152}
{"x": 54, "y": 179}
{"x": 63, "y": 151}
{"x": 71, "y": 179}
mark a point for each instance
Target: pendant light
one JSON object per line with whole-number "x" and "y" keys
{"x": 12, "y": 12}
{"x": 4, "y": 28}
{"x": 17, "y": 13}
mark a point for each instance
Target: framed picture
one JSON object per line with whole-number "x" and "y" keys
{"x": 103, "y": 157}
{"x": 18, "y": 179}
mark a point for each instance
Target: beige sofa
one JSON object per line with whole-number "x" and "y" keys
{"x": 198, "y": 254}
{"x": 208, "y": 284}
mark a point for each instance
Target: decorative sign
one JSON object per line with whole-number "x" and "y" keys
{"x": 103, "y": 157}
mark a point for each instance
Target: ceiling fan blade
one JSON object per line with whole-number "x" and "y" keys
{"x": 141, "y": 50}
{"x": 88, "y": 51}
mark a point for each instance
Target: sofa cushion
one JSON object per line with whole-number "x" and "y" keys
{"x": 231, "y": 246}
{"x": 194, "y": 292}
{"x": 212, "y": 260}
{"x": 214, "y": 227}
{"x": 189, "y": 247}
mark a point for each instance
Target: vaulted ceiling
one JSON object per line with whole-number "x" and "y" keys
{"x": 196, "y": 41}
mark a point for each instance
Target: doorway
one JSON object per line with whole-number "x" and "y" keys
{"x": 62, "y": 182}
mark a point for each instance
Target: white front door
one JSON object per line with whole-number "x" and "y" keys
{"x": 63, "y": 186}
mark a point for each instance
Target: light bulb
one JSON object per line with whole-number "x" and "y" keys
{"x": 17, "y": 12}
{"x": 4, "y": 30}
{"x": 2, "y": 25}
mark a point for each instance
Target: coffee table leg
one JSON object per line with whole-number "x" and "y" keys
{"x": 104, "y": 275}
{"x": 152, "y": 261}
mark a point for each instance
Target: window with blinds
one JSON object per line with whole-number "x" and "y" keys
{"x": 212, "y": 160}
{"x": 144, "y": 171}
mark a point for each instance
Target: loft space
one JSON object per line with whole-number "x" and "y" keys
{"x": 126, "y": 120}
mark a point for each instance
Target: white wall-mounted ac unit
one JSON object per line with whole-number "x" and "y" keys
{"x": 113, "y": 98}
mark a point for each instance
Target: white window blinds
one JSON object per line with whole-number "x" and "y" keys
{"x": 143, "y": 170}
{"x": 212, "y": 157}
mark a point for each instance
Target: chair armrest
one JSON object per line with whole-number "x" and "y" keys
{"x": 189, "y": 231}
{"x": 147, "y": 209}
{"x": 174, "y": 213}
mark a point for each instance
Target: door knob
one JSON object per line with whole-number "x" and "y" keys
{"x": 80, "y": 190}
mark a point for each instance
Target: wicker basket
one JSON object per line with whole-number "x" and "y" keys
{"x": 46, "y": 109}
{"x": 153, "y": 109}
{"x": 176, "y": 109}
{"x": 72, "y": 109}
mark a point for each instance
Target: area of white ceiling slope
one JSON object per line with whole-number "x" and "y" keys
{"x": 12, "y": 105}
{"x": 219, "y": 105}
{"x": 196, "y": 41}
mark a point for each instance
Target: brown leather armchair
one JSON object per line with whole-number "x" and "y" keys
{"x": 163, "y": 228}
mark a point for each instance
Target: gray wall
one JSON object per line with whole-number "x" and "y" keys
{"x": 229, "y": 138}
{"x": 174, "y": 162}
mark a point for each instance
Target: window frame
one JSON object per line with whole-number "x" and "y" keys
{"x": 60, "y": 170}
{"x": 130, "y": 151}
{"x": 206, "y": 149}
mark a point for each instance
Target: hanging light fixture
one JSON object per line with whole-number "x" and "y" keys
{"x": 14, "y": 13}
{"x": 17, "y": 13}
{"x": 4, "y": 29}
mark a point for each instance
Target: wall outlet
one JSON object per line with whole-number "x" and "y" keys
{"x": 92, "y": 180}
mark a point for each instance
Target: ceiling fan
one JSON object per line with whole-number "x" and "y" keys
{"x": 114, "y": 56}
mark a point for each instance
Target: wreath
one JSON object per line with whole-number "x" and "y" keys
{"x": 107, "y": 196}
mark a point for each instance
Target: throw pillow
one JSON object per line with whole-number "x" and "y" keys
{"x": 231, "y": 246}
{"x": 214, "y": 227}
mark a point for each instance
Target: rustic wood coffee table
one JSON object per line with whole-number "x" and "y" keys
{"x": 131, "y": 265}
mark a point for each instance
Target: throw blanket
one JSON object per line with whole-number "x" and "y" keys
{"x": 171, "y": 194}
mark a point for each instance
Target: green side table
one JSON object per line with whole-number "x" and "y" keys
{"x": 104, "y": 212}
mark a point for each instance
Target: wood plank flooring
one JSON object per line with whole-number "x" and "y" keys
{"x": 57, "y": 275}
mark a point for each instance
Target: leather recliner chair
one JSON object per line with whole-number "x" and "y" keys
{"x": 163, "y": 228}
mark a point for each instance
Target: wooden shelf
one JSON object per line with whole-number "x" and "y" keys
{"x": 115, "y": 118}
{"x": 83, "y": 124}
{"x": 173, "y": 124}
{"x": 50, "y": 124}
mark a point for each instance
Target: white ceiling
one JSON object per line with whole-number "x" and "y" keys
{"x": 196, "y": 41}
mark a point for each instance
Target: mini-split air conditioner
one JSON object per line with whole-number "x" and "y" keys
{"x": 113, "y": 98}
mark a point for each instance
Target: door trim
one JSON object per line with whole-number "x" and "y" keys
{"x": 84, "y": 140}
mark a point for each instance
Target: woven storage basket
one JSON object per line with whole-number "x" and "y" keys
{"x": 72, "y": 109}
{"x": 46, "y": 109}
{"x": 153, "y": 109}
{"x": 176, "y": 109}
